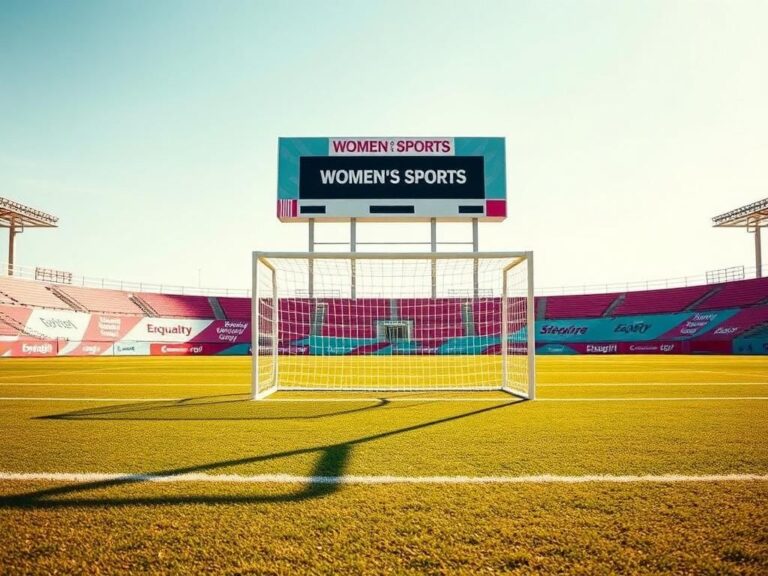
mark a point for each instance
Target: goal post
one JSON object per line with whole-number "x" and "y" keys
{"x": 360, "y": 321}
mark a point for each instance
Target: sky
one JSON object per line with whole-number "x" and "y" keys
{"x": 150, "y": 127}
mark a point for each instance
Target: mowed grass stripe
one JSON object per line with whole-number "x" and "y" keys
{"x": 191, "y": 392}
{"x": 224, "y": 434}
{"x": 551, "y": 370}
{"x": 543, "y": 529}
{"x": 112, "y": 478}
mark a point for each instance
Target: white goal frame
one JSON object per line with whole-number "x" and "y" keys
{"x": 258, "y": 392}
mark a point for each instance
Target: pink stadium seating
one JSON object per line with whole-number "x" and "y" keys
{"x": 431, "y": 311}
{"x": 487, "y": 316}
{"x": 18, "y": 314}
{"x": 7, "y": 329}
{"x": 295, "y": 317}
{"x": 350, "y": 330}
{"x": 737, "y": 294}
{"x": 660, "y": 301}
{"x": 102, "y": 300}
{"x": 178, "y": 305}
{"x": 236, "y": 308}
{"x": 587, "y": 306}
{"x": 348, "y": 318}
{"x": 11, "y": 317}
{"x": 434, "y": 320}
{"x": 28, "y": 293}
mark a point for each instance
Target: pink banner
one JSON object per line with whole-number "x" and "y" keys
{"x": 29, "y": 348}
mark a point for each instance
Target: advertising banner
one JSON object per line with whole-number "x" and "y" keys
{"x": 616, "y": 329}
{"x": 186, "y": 349}
{"x": 64, "y": 324}
{"x": 29, "y": 348}
{"x": 167, "y": 329}
{"x": 698, "y": 323}
{"x": 232, "y": 331}
{"x": 660, "y": 347}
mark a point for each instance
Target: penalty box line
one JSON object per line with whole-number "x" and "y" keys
{"x": 355, "y": 479}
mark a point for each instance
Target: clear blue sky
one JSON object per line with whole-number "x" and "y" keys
{"x": 150, "y": 127}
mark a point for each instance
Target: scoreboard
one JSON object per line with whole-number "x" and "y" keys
{"x": 386, "y": 179}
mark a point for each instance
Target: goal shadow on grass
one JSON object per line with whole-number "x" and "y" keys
{"x": 331, "y": 465}
{"x": 212, "y": 408}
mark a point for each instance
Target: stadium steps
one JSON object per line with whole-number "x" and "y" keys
{"x": 318, "y": 319}
{"x": 67, "y": 299}
{"x": 20, "y": 328}
{"x": 704, "y": 298}
{"x": 468, "y": 318}
{"x": 615, "y": 304}
{"x": 145, "y": 307}
{"x": 7, "y": 299}
{"x": 541, "y": 308}
{"x": 218, "y": 311}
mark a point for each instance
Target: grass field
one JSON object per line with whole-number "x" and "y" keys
{"x": 637, "y": 464}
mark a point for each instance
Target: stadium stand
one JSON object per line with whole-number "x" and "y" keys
{"x": 660, "y": 301}
{"x": 101, "y": 300}
{"x": 433, "y": 320}
{"x": 177, "y": 306}
{"x": 13, "y": 320}
{"x": 235, "y": 308}
{"x": 7, "y": 330}
{"x": 487, "y": 316}
{"x": 737, "y": 294}
{"x": 586, "y": 306}
{"x": 295, "y": 318}
{"x": 354, "y": 318}
{"x": 28, "y": 293}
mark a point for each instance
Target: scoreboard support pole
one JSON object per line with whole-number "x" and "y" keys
{"x": 353, "y": 243}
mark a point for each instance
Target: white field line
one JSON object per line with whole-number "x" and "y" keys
{"x": 352, "y": 479}
{"x": 627, "y": 384}
{"x": 495, "y": 400}
{"x": 246, "y": 384}
{"x": 116, "y": 372}
{"x": 125, "y": 384}
{"x": 641, "y": 399}
{"x": 53, "y": 399}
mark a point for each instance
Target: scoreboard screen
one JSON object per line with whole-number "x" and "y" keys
{"x": 381, "y": 179}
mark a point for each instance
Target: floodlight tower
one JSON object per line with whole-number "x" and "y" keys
{"x": 16, "y": 217}
{"x": 752, "y": 217}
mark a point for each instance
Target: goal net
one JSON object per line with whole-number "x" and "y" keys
{"x": 393, "y": 322}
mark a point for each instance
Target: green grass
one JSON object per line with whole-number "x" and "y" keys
{"x": 210, "y": 427}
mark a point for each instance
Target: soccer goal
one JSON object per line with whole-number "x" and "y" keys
{"x": 393, "y": 322}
